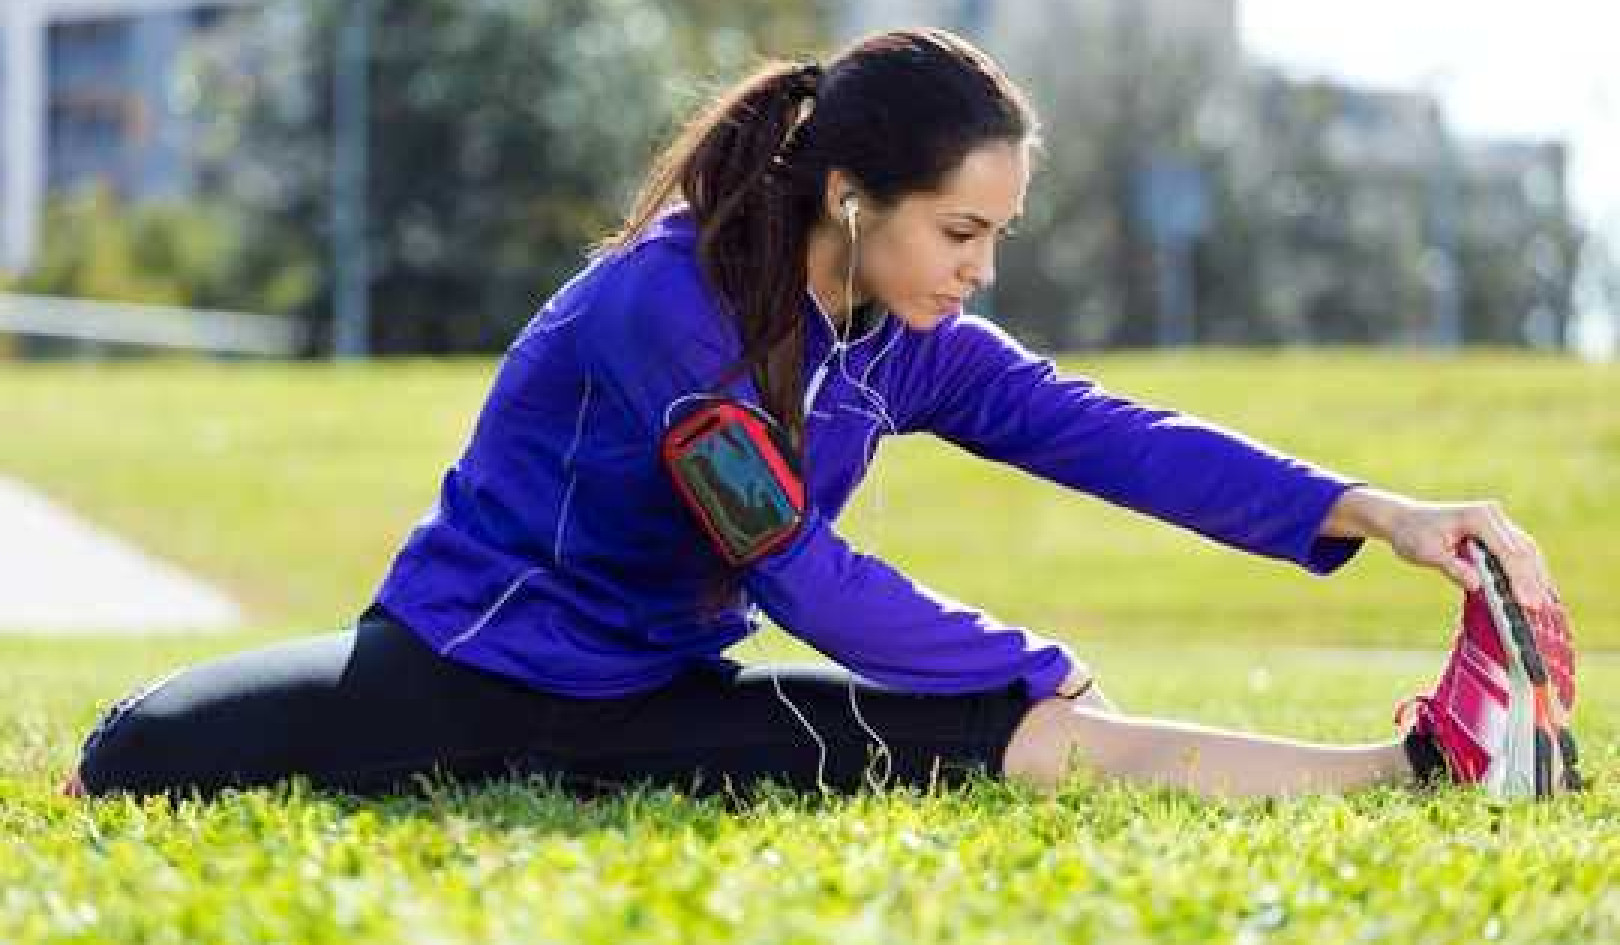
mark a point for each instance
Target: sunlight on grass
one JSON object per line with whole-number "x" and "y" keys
{"x": 292, "y": 486}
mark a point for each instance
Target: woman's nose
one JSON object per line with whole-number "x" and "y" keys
{"x": 980, "y": 271}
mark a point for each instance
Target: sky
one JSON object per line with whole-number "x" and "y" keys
{"x": 1502, "y": 68}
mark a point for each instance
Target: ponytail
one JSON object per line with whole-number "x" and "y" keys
{"x": 753, "y": 233}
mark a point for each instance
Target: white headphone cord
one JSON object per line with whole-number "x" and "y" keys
{"x": 874, "y": 781}
{"x": 874, "y": 399}
{"x": 877, "y": 784}
{"x": 821, "y": 746}
{"x": 883, "y": 410}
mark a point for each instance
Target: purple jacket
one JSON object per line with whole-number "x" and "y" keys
{"x": 559, "y": 552}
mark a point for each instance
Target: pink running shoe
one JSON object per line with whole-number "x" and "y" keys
{"x": 1499, "y": 716}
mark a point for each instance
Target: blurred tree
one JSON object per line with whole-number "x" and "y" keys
{"x": 506, "y": 136}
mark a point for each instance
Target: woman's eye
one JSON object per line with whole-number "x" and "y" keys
{"x": 960, "y": 237}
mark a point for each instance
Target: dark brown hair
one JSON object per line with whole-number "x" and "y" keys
{"x": 897, "y": 111}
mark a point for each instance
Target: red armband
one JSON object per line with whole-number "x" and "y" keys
{"x": 731, "y": 463}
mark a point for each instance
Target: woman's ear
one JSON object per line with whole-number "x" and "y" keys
{"x": 840, "y": 185}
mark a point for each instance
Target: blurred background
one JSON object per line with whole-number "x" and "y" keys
{"x": 319, "y": 179}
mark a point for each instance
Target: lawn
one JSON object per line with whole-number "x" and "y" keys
{"x": 291, "y": 485}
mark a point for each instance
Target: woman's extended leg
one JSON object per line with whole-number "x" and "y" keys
{"x": 1058, "y": 737}
{"x": 364, "y": 710}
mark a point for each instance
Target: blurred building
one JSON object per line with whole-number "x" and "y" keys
{"x": 1354, "y": 194}
{"x": 1382, "y": 226}
{"x": 91, "y": 92}
{"x": 1518, "y": 237}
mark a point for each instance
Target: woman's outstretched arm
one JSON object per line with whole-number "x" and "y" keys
{"x": 973, "y": 384}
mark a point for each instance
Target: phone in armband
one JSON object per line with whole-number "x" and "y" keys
{"x": 731, "y": 463}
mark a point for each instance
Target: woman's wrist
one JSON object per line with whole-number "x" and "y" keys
{"x": 1364, "y": 512}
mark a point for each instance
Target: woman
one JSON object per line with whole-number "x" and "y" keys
{"x": 666, "y": 446}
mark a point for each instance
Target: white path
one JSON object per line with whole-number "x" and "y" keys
{"x": 59, "y": 573}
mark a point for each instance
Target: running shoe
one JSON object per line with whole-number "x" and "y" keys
{"x": 1499, "y": 716}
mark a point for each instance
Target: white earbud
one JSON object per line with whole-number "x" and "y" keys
{"x": 852, "y": 209}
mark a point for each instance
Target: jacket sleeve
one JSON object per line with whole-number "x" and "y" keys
{"x": 976, "y": 386}
{"x": 657, "y": 338}
{"x": 868, "y": 616}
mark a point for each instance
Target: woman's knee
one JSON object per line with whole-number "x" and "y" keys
{"x": 131, "y": 746}
{"x": 1056, "y": 737}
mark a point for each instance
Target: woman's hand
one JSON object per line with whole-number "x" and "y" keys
{"x": 1428, "y": 533}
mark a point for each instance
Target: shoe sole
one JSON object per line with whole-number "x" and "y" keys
{"x": 1540, "y": 748}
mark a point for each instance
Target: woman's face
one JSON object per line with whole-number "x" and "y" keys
{"x": 924, "y": 256}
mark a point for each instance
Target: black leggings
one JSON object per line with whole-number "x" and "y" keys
{"x": 373, "y": 709}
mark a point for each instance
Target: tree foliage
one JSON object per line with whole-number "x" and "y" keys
{"x": 190, "y": 253}
{"x": 505, "y": 137}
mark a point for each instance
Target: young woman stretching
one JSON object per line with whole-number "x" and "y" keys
{"x": 666, "y": 447}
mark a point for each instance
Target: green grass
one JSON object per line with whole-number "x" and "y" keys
{"x": 989, "y": 863}
{"x": 291, "y": 485}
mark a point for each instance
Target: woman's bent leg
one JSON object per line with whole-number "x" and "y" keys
{"x": 1057, "y": 737}
{"x": 362, "y": 710}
